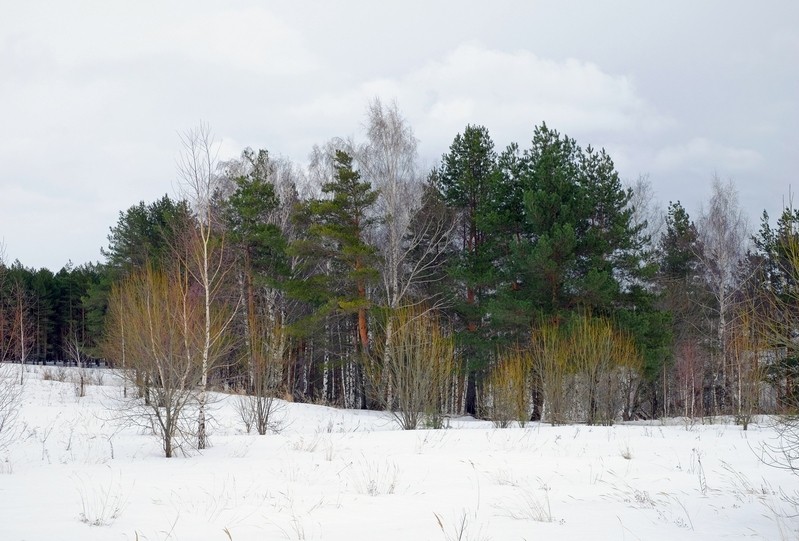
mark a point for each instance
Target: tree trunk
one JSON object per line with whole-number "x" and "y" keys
{"x": 250, "y": 320}
{"x": 202, "y": 436}
{"x": 471, "y": 393}
{"x": 363, "y": 331}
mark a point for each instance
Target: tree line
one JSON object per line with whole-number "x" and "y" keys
{"x": 514, "y": 284}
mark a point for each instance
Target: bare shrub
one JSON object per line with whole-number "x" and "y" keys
{"x": 261, "y": 413}
{"x": 550, "y": 359}
{"x": 245, "y": 410}
{"x": 780, "y": 329}
{"x": 57, "y": 373}
{"x": 161, "y": 318}
{"x": 417, "y": 366}
{"x": 604, "y": 358}
{"x": 747, "y": 342}
{"x": 97, "y": 377}
{"x": 269, "y": 344}
{"x": 509, "y": 392}
{"x": 783, "y": 451}
{"x": 10, "y": 395}
{"x": 80, "y": 377}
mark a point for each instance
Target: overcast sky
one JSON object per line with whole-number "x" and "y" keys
{"x": 93, "y": 95}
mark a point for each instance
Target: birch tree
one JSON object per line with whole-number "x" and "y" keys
{"x": 409, "y": 256}
{"x": 388, "y": 162}
{"x": 647, "y": 215}
{"x": 723, "y": 231}
{"x": 550, "y": 354}
{"x": 204, "y": 252}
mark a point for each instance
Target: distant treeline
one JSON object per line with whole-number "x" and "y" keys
{"x": 57, "y": 309}
{"x": 536, "y": 257}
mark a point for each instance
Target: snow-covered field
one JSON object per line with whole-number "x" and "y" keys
{"x": 73, "y": 473}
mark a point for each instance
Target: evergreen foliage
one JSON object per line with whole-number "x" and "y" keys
{"x": 145, "y": 234}
{"x": 524, "y": 254}
{"x": 467, "y": 180}
{"x": 335, "y": 252}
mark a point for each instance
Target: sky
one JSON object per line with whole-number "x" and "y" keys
{"x": 95, "y": 94}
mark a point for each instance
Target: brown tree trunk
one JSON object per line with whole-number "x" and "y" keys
{"x": 363, "y": 330}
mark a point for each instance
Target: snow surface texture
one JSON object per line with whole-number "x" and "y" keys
{"x": 73, "y": 473}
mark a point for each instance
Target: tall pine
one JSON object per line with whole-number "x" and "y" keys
{"x": 338, "y": 264}
{"x": 467, "y": 179}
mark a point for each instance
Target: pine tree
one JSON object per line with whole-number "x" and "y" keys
{"x": 467, "y": 179}
{"x": 543, "y": 259}
{"x": 772, "y": 280}
{"x": 576, "y": 246}
{"x": 338, "y": 265}
{"x": 572, "y": 246}
{"x": 145, "y": 234}
{"x": 259, "y": 246}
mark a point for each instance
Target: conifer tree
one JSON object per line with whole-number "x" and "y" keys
{"x": 773, "y": 283}
{"x": 467, "y": 179}
{"x": 570, "y": 245}
{"x": 577, "y": 246}
{"x": 259, "y": 246}
{"x": 338, "y": 263}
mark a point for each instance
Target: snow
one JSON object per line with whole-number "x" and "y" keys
{"x": 73, "y": 472}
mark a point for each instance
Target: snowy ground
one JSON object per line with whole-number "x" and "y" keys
{"x": 74, "y": 474}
